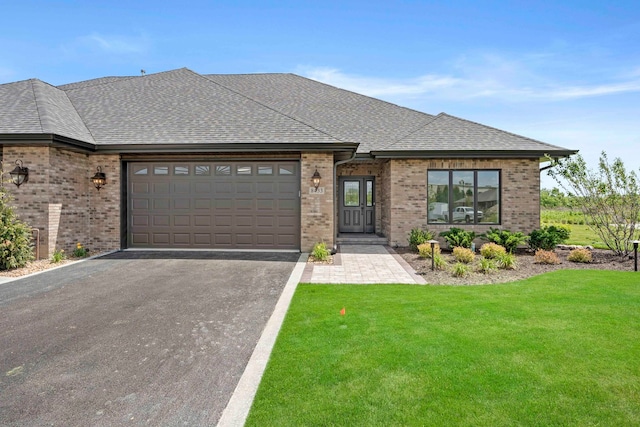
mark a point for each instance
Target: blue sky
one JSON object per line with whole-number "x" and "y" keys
{"x": 563, "y": 72}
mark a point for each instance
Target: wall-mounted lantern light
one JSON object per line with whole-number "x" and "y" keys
{"x": 316, "y": 179}
{"x": 99, "y": 179}
{"x": 20, "y": 174}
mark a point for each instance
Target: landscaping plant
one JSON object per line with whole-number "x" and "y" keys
{"x": 580, "y": 255}
{"x": 460, "y": 269}
{"x": 424, "y": 250}
{"x": 546, "y": 257}
{"x": 57, "y": 256}
{"x": 463, "y": 255}
{"x": 80, "y": 251}
{"x": 418, "y": 236}
{"x": 16, "y": 249}
{"x": 507, "y": 261}
{"x": 548, "y": 237}
{"x": 492, "y": 250}
{"x": 487, "y": 265}
{"x": 509, "y": 240}
{"x": 320, "y": 251}
{"x": 458, "y": 237}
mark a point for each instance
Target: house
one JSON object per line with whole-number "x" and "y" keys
{"x": 255, "y": 161}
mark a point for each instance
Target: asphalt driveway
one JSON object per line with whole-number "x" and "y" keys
{"x": 134, "y": 338}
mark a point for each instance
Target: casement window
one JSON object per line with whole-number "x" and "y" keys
{"x": 463, "y": 196}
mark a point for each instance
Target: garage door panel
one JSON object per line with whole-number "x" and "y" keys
{"x": 214, "y": 204}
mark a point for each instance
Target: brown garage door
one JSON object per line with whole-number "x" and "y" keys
{"x": 222, "y": 205}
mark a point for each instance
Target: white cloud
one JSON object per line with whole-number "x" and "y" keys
{"x": 109, "y": 44}
{"x": 494, "y": 78}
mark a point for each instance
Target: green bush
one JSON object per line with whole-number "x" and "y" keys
{"x": 15, "y": 236}
{"x": 492, "y": 250}
{"x": 463, "y": 255}
{"x": 439, "y": 262}
{"x": 320, "y": 251}
{"x": 80, "y": 251}
{"x": 424, "y": 250}
{"x": 57, "y": 256}
{"x": 507, "y": 261}
{"x": 487, "y": 265}
{"x": 457, "y": 237}
{"x": 547, "y": 238}
{"x": 418, "y": 236}
{"x": 510, "y": 240}
{"x": 460, "y": 269}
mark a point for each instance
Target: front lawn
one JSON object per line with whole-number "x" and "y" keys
{"x": 558, "y": 349}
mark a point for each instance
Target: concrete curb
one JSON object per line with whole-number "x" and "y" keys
{"x": 4, "y": 279}
{"x": 236, "y": 412}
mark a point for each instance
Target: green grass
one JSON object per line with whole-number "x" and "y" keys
{"x": 558, "y": 349}
{"x": 581, "y": 234}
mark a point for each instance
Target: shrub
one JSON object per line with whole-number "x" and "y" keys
{"x": 418, "y": 236}
{"x": 15, "y": 236}
{"x": 463, "y": 255}
{"x": 492, "y": 250}
{"x": 547, "y": 238}
{"x": 439, "y": 262}
{"x": 425, "y": 250}
{"x": 460, "y": 269}
{"x": 487, "y": 265}
{"x": 320, "y": 251}
{"x": 509, "y": 240}
{"x": 458, "y": 237}
{"x": 580, "y": 255}
{"x": 546, "y": 257}
{"x": 57, "y": 256}
{"x": 507, "y": 261}
{"x": 80, "y": 251}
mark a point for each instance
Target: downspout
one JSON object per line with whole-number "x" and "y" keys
{"x": 335, "y": 179}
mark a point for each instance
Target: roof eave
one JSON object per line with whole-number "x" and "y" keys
{"x": 502, "y": 154}
{"x": 49, "y": 139}
{"x": 226, "y": 148}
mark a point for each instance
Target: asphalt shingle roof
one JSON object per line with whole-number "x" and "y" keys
{"x": 183, "y": 107}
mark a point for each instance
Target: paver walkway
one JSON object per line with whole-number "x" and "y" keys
{"x": 363, "y": 264}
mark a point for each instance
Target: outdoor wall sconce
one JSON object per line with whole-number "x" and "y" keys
{"x": 99, "y": 179}
{"x": 20, "y": 174}
{"x": 316, "y": 179}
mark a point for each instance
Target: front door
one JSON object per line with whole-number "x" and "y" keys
{"x": 357, "y": 205}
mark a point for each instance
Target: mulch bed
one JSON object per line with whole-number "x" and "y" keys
{"x": 526, "y": 267}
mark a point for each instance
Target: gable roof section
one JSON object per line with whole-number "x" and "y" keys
{"x": 35, "y": 107}
{"x": 182, "y": 107}
{"x": 346, "y": 115}
{"x": 447, "y": 135}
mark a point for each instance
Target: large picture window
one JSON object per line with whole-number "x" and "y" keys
{"x": 463, "y": 196}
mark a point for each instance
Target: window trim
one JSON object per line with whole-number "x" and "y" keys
{"x": 475, "y": 196}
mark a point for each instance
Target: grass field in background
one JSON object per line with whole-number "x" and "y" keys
{"x": 581, "y": 234}
{"x": 556, "y": 349}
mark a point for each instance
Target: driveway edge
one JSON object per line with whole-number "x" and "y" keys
{"x": 236, "y": 412}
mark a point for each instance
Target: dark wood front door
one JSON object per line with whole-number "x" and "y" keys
{"x": 357, "y": 204}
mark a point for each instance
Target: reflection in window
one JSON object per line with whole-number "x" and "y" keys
{"x": 489, "y": 196}
{"x": 161, "y": 170}
{"x": 223, "y": 170}
{"x": 203, "y": 170}
{"x": 468, "y": 196}
{"x": 265, "y": 170}
{"x": 438, "y": 196}
{"x": 140, "y": 170}
{"x": 369, "y": 193}
{"x": 181, "y": 170}
{"x": 351, "y": 193}
{"x": 286, "y": 170}
{"x": 243, "y": 170}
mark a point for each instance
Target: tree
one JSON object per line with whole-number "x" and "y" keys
{"x": 608, "y": 197}
{"x": 15, "y": 236}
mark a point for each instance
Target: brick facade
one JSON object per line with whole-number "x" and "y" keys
{"x": 520, "y": 196}
{"x": 61, "y": 202}
{"x": 317, "y": 210}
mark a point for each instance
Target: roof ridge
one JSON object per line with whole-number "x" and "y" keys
{"x": 35, "y": 101}
{"x": 416, "y": 130}
{"x": 204, "y": 76}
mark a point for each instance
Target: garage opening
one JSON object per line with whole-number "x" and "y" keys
{"x": 214, "y": 205}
